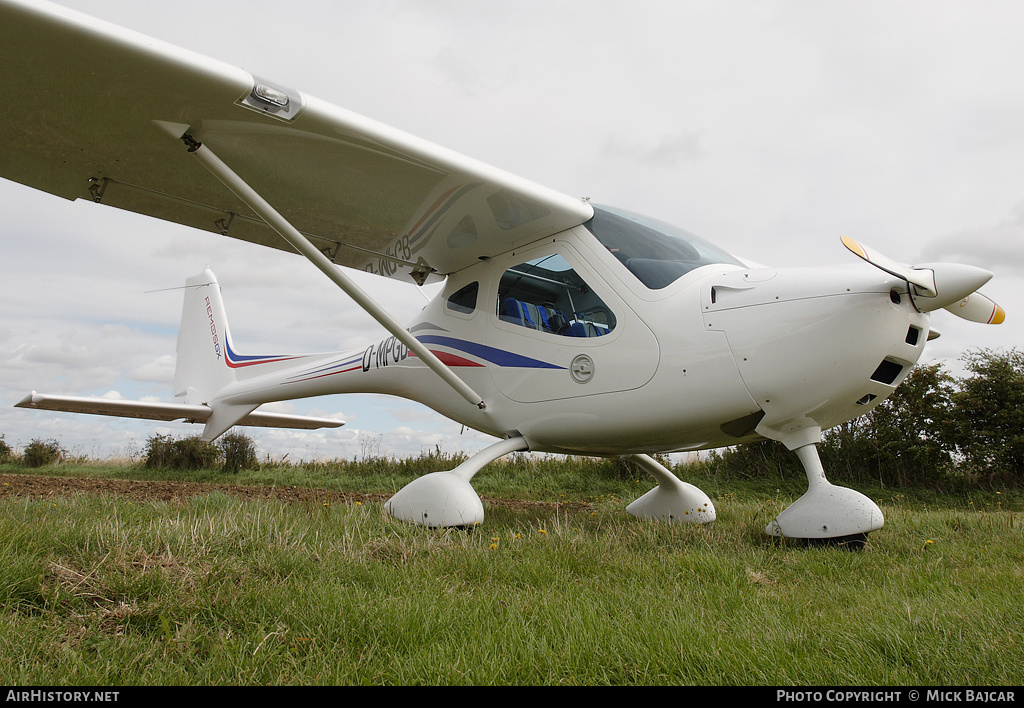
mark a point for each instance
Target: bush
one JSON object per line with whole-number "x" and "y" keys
{"x": 158, "y": 450}
{"x": 5, "y": 450}
{"x": 935, "y": 430}
{"x": 233, "y": 452}
{"x": 762, "y": 459}
{"x": 39, "y": 453}
{"x": 189, "y": 453}
{"x": 239, "y": 452}
{"x": 900, "y": 442}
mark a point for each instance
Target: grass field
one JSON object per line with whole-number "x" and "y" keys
{"x": 218, "y": 589}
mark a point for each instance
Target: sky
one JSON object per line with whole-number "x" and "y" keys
{"x": 769, "y": 127}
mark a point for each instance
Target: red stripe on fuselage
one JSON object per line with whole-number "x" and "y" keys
{"x": 449, "y": 359}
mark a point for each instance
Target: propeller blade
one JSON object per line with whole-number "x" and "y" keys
{"x": 924, "y": 280}
{"x": 978, "y": 308}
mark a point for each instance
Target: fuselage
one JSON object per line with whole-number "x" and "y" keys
{"x": 587, "y": 343}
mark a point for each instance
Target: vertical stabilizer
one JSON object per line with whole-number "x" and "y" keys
{"x": 202, "y": 369}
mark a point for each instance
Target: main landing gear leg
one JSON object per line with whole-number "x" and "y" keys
{"x": 672, "y": 500}
{"x": 826, "y": 513}
{"x": 447, "y": 498}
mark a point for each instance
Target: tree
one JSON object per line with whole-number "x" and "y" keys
{"x": 909, "y": 427}
{"x": 903, "y": 439}
{"x": 988, "y": 422}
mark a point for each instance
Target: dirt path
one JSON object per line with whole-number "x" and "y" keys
{"x": 42, "y": 487}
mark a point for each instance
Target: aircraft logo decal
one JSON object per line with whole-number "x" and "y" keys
{"x": 213, "y": 329}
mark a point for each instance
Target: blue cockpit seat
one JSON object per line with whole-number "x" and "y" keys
{"x": 544, "y": 318}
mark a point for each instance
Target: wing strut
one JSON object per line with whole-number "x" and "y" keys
{"x": 289, "y": 233}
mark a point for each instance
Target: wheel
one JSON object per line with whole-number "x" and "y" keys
{"x": 853, "y": 542}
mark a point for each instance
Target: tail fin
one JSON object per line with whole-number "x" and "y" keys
{"x": 206, "y": 369}
{"x": 202, "y": 367}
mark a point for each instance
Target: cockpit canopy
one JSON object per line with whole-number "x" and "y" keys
{"x": 656, "y": 253}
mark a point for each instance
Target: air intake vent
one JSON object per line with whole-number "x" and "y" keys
{"x": 887, "y": 372}
{"x": 913, "y": 335}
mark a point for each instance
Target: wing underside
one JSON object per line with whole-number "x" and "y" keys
{"x": 84, "y": 102}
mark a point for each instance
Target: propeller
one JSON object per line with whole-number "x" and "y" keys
{"x": 950, "y": 286}
{"x": 978, "y": 308}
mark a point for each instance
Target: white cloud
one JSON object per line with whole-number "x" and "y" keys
{"x": 998, "y": 246}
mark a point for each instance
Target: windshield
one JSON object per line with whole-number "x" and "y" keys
{"x": 656, "y": 253}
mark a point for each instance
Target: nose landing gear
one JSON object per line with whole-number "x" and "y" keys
{"x": 826, "y": 513}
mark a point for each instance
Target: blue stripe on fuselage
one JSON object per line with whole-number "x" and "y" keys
{"x": 482, "y": 351}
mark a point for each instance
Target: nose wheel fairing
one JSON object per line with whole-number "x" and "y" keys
{"x": 825, "y": 511}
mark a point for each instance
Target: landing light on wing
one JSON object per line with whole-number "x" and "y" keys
{"x": 271, "y": 95}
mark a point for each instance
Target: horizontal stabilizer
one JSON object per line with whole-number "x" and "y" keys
{"x": 185, "y": 412}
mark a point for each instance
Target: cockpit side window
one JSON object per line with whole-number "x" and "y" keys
{"x": 655, "y": 253}
{"x": 464, "y": 300}
{"x": 546, "y": 294}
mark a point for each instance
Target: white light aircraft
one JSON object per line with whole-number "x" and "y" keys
{"x": 562, "y": 327}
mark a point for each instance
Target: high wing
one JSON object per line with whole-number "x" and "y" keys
{"x": 84, "y": 102}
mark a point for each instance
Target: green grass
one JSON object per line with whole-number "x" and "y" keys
{"x": 100, "y": 590}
